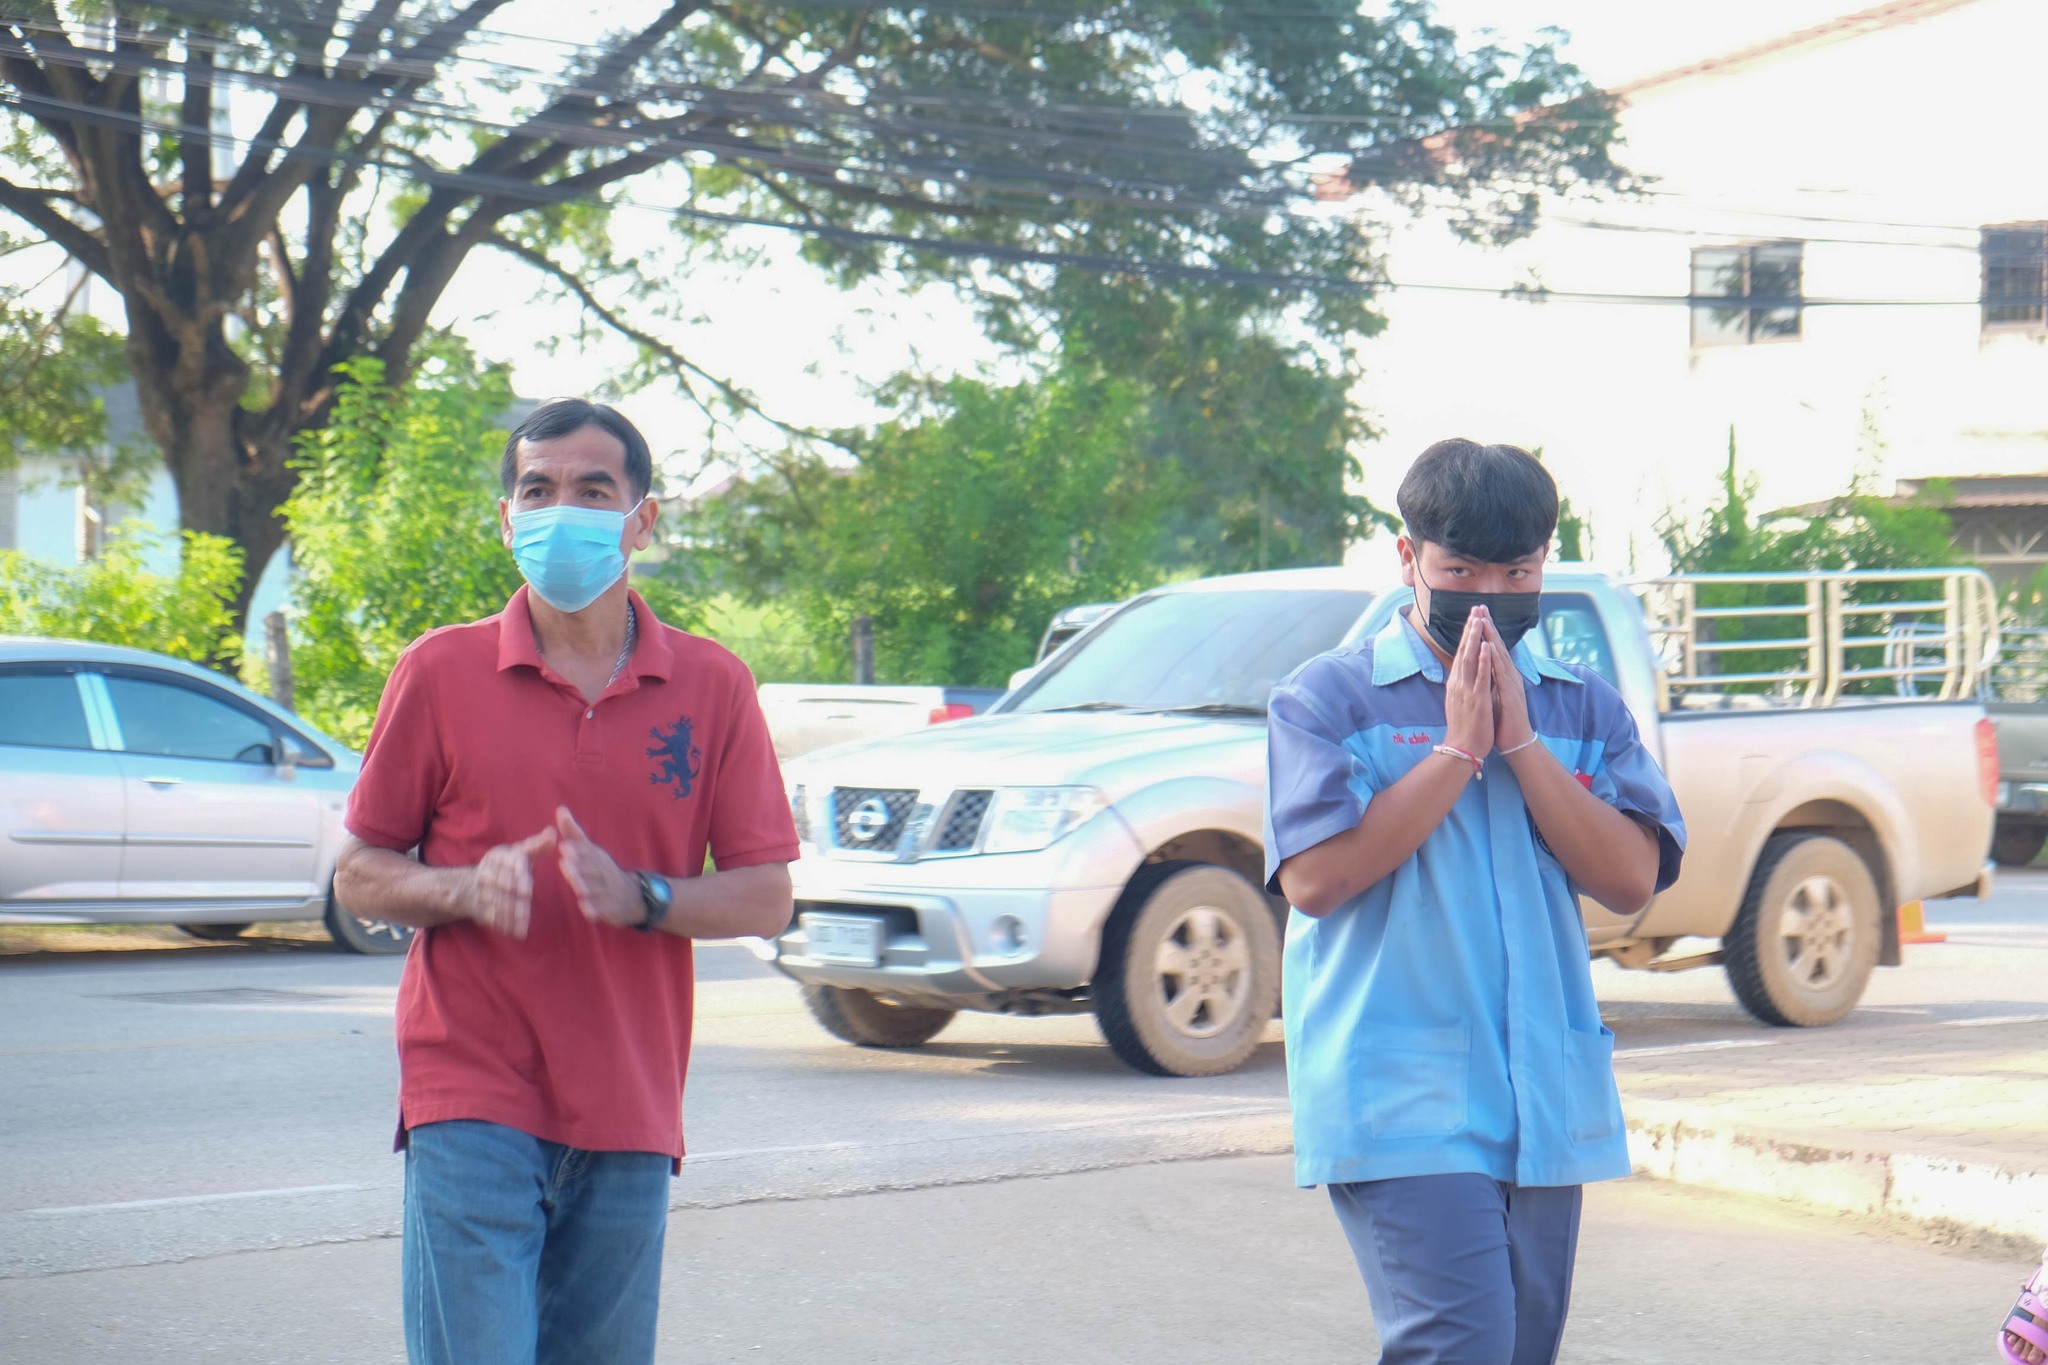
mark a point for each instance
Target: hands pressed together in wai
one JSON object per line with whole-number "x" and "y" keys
{"x": 1485, "y": 706}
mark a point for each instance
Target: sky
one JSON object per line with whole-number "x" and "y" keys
{"x": 1614, "y": 41}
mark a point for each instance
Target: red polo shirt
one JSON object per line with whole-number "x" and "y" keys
{"x": 578, "y": 1033}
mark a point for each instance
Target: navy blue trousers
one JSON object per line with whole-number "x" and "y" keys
{"x": 1463, "y": 1269}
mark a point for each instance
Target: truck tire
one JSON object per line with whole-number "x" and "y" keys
{"x": 1803, "y": 945}
{"x": 2016, "y": 845}
{"x": 1190, "y": 971}
{"x": 865, "y": 1019}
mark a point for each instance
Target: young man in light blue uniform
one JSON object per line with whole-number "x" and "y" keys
{"x": 1438, "y": 798}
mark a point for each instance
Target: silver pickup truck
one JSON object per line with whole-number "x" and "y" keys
{"x": 1094, "y": 842}
{"x": 2016, "y": 696}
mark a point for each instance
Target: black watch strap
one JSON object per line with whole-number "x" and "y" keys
{"x": 656, "y": 897}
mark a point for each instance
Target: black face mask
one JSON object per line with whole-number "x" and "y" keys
{"x": 1514, "y": 615}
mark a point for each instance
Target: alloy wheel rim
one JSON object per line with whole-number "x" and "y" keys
{"x": 1816, "y": 928}
{"x": 1204, "y": 969}
{"x": 377, "y": 928}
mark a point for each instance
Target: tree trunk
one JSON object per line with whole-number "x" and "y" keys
{"x": 230, "y": 479}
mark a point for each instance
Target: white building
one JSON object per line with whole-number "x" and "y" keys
{"x": 44, "y": 509}
{"x": 1866, "y": 202}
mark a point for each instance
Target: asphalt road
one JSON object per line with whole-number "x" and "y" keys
{"x": 173, "y": 1115}
{"x": 1187, "y": 1262}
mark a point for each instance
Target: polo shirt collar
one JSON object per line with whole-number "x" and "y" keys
{"x": 652, "y": 655}
{"x": 1399, "y": 651}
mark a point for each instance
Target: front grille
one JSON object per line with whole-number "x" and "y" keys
{"x": 800, "y": 812}
{"x": 870, "y": 818}
{"x": 963, "y": 821}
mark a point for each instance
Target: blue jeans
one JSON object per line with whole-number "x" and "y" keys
{"x": 1464, "y": 1269}
{"x": 524, "y": 1252}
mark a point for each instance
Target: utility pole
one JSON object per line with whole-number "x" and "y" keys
{"x": 1264, "y": 517}
{"x": 864, "y": 649}
{"x": 279, "y": 649}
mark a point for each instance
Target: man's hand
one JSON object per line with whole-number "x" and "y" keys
{"x": 604, "y": 891}
{"x": 1511, "y": 725}
{"x": 500, "y": 891}
{"x": 1468, "y": 693}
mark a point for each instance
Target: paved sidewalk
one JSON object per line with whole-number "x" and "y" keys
{"x": 1943, "y": 1122}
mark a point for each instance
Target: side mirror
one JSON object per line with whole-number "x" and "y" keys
{"x": 1022, "y": 676}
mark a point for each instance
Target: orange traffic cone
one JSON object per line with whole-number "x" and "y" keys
{"x": 1913, "y": 925}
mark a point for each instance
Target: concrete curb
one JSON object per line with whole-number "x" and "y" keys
{"x": 1682, "y": 1144}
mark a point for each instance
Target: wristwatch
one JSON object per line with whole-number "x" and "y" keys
{"x": 656, "y": 895}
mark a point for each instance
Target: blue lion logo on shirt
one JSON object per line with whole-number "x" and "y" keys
{"x": 680, "y": 758}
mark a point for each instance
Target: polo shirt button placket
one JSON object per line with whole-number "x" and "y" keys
{"x": 589, "y": 744}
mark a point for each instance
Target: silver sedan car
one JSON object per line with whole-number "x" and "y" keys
{"x": 140, "y": 789}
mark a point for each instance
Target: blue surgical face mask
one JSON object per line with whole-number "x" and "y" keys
{"x": 570, "y": 555}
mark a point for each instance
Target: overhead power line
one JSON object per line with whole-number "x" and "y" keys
{"x": 1007, "y": 253}
{"x": 562, "y": 82}
{"x": 955, "y": 172}
{"x": 1111, "y": 130}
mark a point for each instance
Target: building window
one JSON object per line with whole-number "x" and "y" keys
{"x": 2015, "y": 276}
{"x": 1742, "y": 294}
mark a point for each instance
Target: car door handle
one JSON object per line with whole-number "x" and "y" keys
{"x": 163, "y": 781}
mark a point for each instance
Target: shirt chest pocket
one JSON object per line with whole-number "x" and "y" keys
{"x": 1412, "y": 1082}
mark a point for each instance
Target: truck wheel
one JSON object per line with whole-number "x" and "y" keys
{"x": 371, "y": 937}
{"x": 2017, "y": 845}
{"x": 1804, "y": 943}
{"x": 1190, "y": 972}
{"x": 865, "y": 1018}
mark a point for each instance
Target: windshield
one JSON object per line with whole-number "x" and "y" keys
{"x": 1220, "y": 651}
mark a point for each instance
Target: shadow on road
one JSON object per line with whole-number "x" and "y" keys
{"x": 31, "y": 945}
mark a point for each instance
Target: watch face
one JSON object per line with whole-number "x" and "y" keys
{"x": 655, "y": 895}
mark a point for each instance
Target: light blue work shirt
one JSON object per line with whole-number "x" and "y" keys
{"x": 1442, "y": 1020}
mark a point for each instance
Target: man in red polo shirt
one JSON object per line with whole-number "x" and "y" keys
{"x": 559, "y": 772}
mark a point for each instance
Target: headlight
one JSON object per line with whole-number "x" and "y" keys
{"x": 1026, "y": 819}
{"x": 2004, "y": 795}
{"x": 811, "y": 810}
{"x": 800, "y": 813}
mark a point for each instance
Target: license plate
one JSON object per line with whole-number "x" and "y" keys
{"x": 852, "y": 939}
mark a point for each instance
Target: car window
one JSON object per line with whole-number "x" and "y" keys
{"x": 1572, "y": 633}
{"x": 182, "y": 722}
{"x": 1195, "y": 649}
{"x": 42, "y": 711}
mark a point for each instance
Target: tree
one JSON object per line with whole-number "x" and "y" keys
{"x": 1855, "y": 530}
{"x": 394, "y": 528}
{"x": 960, "y": 531}
{"x": 1252, "y": 420}
{"x": 279, "y": 187}
{"x": 1574, "y": 536}
{"x": 117, "y": 599}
